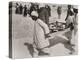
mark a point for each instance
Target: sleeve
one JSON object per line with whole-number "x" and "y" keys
{"x": 43, "y": 25}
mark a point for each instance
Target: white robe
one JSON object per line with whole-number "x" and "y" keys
{"x": 70, "y": 19}
{"x": 40, "y": 29}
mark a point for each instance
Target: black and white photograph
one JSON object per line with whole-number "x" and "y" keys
{"x": 42, "y": 29}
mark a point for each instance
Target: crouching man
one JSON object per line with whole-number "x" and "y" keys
{"x": 41, "y": 34}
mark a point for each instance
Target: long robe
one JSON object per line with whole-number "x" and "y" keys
{"x": 39, "y": 34}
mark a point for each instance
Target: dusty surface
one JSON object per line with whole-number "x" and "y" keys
{"x": 22, "y": 29}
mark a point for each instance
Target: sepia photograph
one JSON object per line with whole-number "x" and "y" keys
{"x": 42, "y": 29}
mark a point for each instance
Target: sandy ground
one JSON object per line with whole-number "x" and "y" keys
{"x": 22, "y": 31}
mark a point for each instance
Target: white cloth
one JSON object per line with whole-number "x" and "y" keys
{"x": 43, "y": 25}
{"x": 39, "y": 34}
{"x": 34, "y": 13}
{"x": 70, "y": 19}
